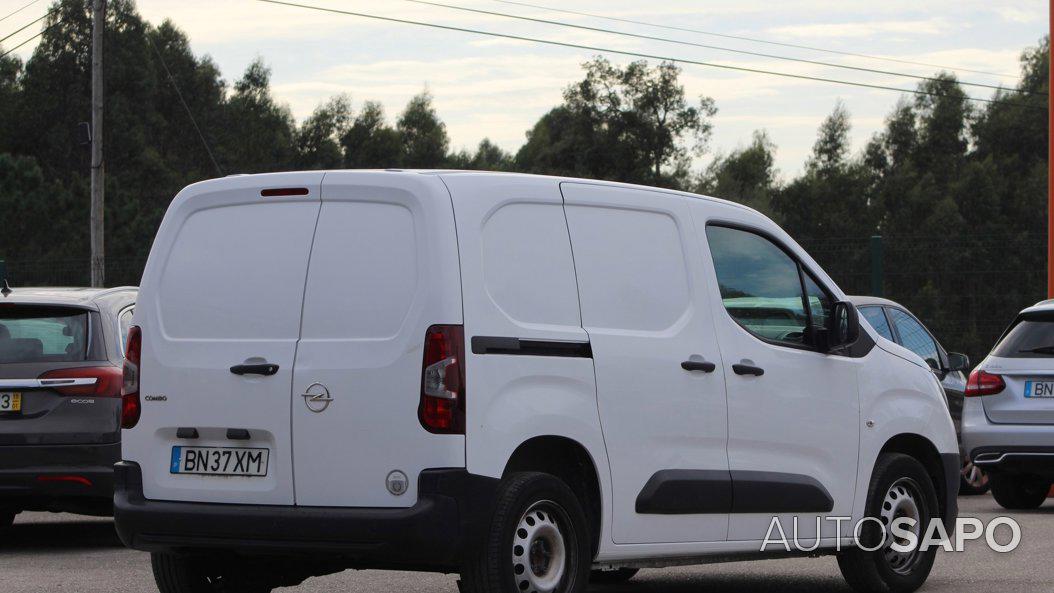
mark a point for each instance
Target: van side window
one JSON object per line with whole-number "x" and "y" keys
{"x": 913, "y": 336}
{"x": 759, "y": 283}
{"x": 877, "y": 319}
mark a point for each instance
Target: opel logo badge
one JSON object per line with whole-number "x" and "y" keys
{"x": 317, "y": 398}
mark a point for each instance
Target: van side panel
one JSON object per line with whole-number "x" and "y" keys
{"x": 383, "y": 268}
{"x": 519, "y": 283}
{"x": 223, "y": 286}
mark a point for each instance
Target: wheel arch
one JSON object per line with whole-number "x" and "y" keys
{"x": 925, "y": 452}
{"x": 571, "y": 462}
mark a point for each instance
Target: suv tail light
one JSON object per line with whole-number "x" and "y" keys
{"x": 84, "y": 381}
{"x": 982, "y": 383}
{"x": 442, "y": 408}
{"x": 133, "y": 349}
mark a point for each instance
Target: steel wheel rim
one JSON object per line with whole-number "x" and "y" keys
{"x": 903, "y": 499}
{"x": 539, "y": 550}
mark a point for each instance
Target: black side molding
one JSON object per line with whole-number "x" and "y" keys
{"x": 691, "y": 491}
{"x": 773, "y": 492}
{"x": 686, "y": 492}
{"x": 528, "y": 347}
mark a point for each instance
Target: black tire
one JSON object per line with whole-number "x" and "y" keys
{"x": 611, "y": 577}
{"x": 973, "y": 481}
{"x": 490, "y": 568}
{"x": 874, "y": 572}
{"x": 189, "y": 574}
{"x": 1019, "y": 493}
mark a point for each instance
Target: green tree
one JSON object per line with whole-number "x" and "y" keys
{"x": 258, "y": 132}
{"x": 318, "y": 138}
{"x": 370, "y": 143}
{"x": 423, "y": 134}
{"x": 746, "y": 175}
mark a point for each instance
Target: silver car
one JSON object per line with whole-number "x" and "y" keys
{"x": 1008, "y": 417}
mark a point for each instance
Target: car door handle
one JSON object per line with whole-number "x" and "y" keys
{"x": 746, "y": 369}
{"x": 265, "y": 369}
{"x": 698, "y": 365}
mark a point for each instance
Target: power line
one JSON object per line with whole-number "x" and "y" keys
{"x": 193, "y": 121}
{"x": 702, "y": 45}
{"x": 753, "y": 39}
{"x": 638, "y": 55}
{"x": 42, "y": 31}
{"x": 27, "y": 26}
{"x": 18, "y": 10}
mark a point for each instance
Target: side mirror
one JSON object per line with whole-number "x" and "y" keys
{"x": 844, "y": 326}
{"x": 957, "y": 362}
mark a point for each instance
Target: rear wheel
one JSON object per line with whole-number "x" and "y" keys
{"x": 1017, "y": 493}
{"x": 607, "y": 577}
{"x": 190, "y": 574}
{"x": 900, "y": 487}
{"x": 538, "y": 540}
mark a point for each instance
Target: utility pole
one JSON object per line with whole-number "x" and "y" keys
{"x": 1050, "y": 164}
{"x": 98, "y": 246}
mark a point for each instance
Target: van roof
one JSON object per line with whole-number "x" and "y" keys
{"x": 241, "y": 177}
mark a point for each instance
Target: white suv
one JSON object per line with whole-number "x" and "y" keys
{"x": 519, "y": 378}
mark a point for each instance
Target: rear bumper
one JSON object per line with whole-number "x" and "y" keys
{"x": 1009, "y": 448}
{"x": 70, "y": 478}
{"x": 453, "y": 507}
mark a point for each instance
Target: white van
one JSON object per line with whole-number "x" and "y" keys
{"x": 532, "y": 381}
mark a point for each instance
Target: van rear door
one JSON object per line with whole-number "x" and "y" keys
{"x": 223, "y": 287}
{"x": 384, "y": 267}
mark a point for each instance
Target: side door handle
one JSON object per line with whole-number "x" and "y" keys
{"x": 698, "y": 365}
{"x": 747, "y": 369}
{"x": 265, "y": 369}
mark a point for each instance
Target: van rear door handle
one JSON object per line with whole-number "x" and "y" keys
{"x": 746, "y": 369}
{"x": 698, "y": 365}
{"x": 266, "y": 369}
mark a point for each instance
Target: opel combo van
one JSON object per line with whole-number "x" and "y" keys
{"x": 530, "y": 381}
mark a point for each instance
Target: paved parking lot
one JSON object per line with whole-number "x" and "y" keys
{"x": 50, "y": 553}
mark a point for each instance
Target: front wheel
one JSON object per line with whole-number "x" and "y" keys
{"x": 900, "y": 487}
{"x": 538, "y": 540}
{"x": 191, "y": 574}
{"x": 1019, "y": 493}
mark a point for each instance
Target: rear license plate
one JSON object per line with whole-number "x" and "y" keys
{"x": 219, "y": 461}
{"x": 10, "y": 402}
{"x": 1039, "y": 389}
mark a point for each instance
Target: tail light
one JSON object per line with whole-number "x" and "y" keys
{"x": 133, "y": 349}
{"x": 84, "y": 381}
{"x": 982, "y": 383}
{"x": 442, "y": 408}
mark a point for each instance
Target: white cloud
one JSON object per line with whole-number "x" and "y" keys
{"x": 933, "y": 26}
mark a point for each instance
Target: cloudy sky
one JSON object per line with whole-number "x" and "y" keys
{"x": 497, "y": 88}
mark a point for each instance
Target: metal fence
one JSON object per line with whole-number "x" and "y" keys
{"x": 965, "y": 289}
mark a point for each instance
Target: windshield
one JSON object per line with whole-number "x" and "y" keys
{"x": 43, "y": 334}
{"x": 1030, "y": 338}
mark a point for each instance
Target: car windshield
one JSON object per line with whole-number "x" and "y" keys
{"x": 1029, "y": 338}
{"x": 43, "y": 334}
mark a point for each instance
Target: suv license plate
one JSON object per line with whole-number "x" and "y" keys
{"x": 10, "y": 402}
{"x": 219, "y": 461}
{"x": 1039, "y": 389}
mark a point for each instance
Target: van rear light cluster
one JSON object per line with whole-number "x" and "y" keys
{"x": 442, "y": 408}
{"x": 982, "y": 383}
{"x": 84, "y": 381}
{"x": 133, "y": 350}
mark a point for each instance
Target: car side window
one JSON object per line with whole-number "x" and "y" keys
{"x": 913, "y": 335}
{"x": 760, "y": 285}
{"x": 877, "y": 319}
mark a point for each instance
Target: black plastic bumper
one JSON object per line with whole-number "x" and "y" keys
{"x": 451, "y": 509}
{"x": 74, "y": 478}
{"x": 952, "y": 474}
{"x": 1038, "y": 461}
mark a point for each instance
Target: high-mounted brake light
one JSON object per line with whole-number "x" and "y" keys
{"x": 982, "y": 383}
{"x": 274, "y": 192}
{"x": 133, "y": 349}
{"x": 442, "y": 408}
{"x": 84, "y": 381}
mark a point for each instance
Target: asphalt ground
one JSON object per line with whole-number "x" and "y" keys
{"x": 56, "y": 553}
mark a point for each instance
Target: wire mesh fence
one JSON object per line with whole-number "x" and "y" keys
{"x": 966, "y": 290}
